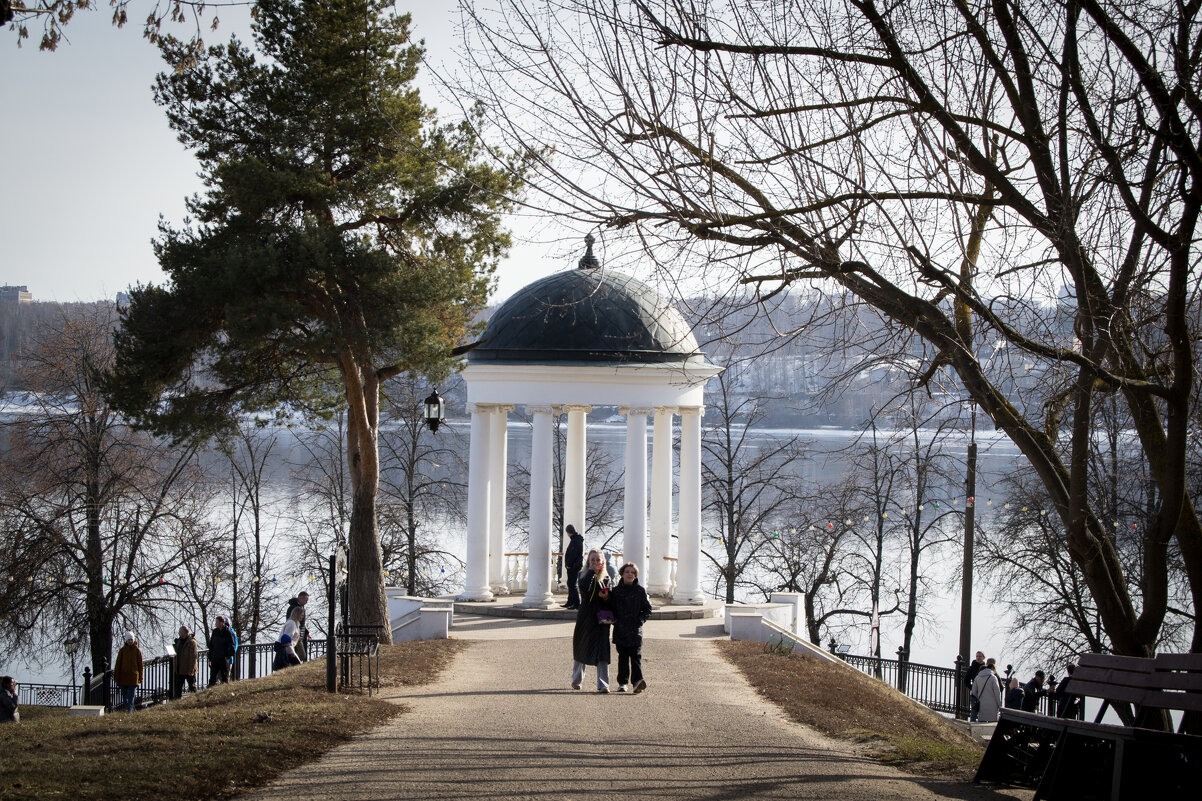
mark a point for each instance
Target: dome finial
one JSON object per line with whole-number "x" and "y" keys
{"x": 588, "y": 261}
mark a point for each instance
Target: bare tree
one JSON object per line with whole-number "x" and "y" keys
{"x": 422, "y": 493}
{"x": 748, "y": 483}
{"x": 97, "y": 520}
{"x": 248, "y": 453}
{"x": 954, "y": 167}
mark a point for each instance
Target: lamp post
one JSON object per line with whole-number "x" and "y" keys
{"x": 434, "y": 412}
{"x": 71, "y": 646}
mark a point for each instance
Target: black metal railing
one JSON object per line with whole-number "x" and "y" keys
{"x": 943, "y": 689}
{"x": 158, "y": 679}
{"x": 358, "y": 658}
{"x": 47, "y": 694}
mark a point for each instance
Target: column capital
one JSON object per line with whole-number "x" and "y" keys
{"x": 503, "y": 408}
{"x": 539, "y": 408}
{"x": 577, "y": 407}
{"x": 480, "y": 408}
{"x": 665, "y": 410}
{"x": 691, "y": 411}
{"x": 635, "y": 410}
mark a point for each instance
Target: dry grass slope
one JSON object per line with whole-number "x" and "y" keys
{"x": 849, "y": 705}
{"x": 214, "y": 744}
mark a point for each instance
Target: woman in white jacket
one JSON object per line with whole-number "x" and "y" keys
{"x": 988, "y": 692}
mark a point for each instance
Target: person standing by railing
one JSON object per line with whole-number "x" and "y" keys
{"x": 127, "y": 671}
{"x": 222, "y": 649}
{"x": 970, "y": 675}
{"x": 300, "y": 637}
{"x": 8, "y": 701}
{"x": 187, "y": 655}
{"x": 988, "y": 692}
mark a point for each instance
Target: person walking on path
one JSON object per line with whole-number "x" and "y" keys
{"x": 301, "y": 637}
{"x": 222, "y": 648}
{"x": 988, "y": 692}
{"x": 9, "y": 701}
{"x": 127, "y": 671}
{"x": 590, "y": 638}
{"x": 631, "y": 608}
{"x": 573, "y": 561}
{"x": 285, "y": 655}
{"x": 187, "y": 655}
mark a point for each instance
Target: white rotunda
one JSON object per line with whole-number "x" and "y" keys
{"x": 562, "y": 345}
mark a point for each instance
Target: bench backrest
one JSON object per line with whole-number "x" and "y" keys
{"x": 1168, "y": 681}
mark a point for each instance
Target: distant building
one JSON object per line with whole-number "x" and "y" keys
{"x": 122, "y": 300}
{"x": 15, "y": 294}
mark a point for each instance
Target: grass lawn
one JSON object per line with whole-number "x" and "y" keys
{"x": 850, "y": 705}
{"x": 214, "y": 744}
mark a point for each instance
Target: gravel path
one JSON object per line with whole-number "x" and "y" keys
{"x": 502, "y": 723}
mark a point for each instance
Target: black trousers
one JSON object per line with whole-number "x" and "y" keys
{"x": 630, "y": 664}
{"x": 179, "y": 684}
{"x": 573, "y": 587}
{"x": 219, "y": 671}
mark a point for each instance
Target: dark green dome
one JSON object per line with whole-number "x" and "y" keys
{"x": 586, "y": 315}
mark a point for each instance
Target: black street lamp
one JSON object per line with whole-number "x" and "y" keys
{"x": 435, "y": 411}
{"x": 71, "y": 646}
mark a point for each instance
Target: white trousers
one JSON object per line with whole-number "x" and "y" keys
{"x": 602, "y": 674}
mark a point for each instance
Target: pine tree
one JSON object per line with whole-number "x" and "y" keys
{"x": 344, "y": 237}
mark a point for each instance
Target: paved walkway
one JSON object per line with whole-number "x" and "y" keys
{"x": 502, "y": 723}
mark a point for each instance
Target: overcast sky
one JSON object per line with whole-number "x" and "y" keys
{"x": 89, "y": 163}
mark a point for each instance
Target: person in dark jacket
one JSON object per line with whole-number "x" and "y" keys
{"x": 631, "y": 608}
{"x": 970, "y": 676}
{"x": 222, "y": 649}
{"x": 1033, "y": 691}
{"x": 8, "y": 701}
{"x": 573, "y": 561}
{"x": 590, "y": 638}
{"x": 285, "y": 655}
{"x": 1066, "y": 701}
{"x": 1014, "y": 694}
{"x": 186, "y": 656}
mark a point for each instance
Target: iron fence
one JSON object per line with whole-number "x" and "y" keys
{"x": 158, "y": 679}
{"x": 943, "y": 689}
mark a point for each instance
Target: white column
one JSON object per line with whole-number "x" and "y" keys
{"x": 475, "y": 586}
{"x": 688, "y": 546}
{"x": 634, "y": 540}
{"x": 574, "y": 490}
{"x": 497, "y": 453}
{"x": 538, "y": 582}
{"x": 659, "y": 572}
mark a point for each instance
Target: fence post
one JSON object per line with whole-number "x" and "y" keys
{"x": 959, "y": 689}
{"x": 87, "y": 685}
{"x": 901, "y": 669}
{"x": 331, "y": 640}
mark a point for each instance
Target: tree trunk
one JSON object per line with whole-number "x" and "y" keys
{"x": 366, "y": 598}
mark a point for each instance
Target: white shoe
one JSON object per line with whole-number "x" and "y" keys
{"x": 603, "y": 689}
{"x": 621, "y": 688}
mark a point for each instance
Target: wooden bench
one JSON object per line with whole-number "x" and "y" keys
{"x": 1075, "y": 759}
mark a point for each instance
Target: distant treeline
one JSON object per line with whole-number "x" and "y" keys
{"x": 20, "y": 324}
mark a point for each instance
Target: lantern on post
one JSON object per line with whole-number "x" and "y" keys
{"x": 434, "y": 411}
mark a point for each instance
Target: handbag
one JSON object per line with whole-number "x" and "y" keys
{"x": 604, "y": 617}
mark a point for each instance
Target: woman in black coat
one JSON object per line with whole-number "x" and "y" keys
{"x": 590, "y": 639}
{"x": 631, "y": 608}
